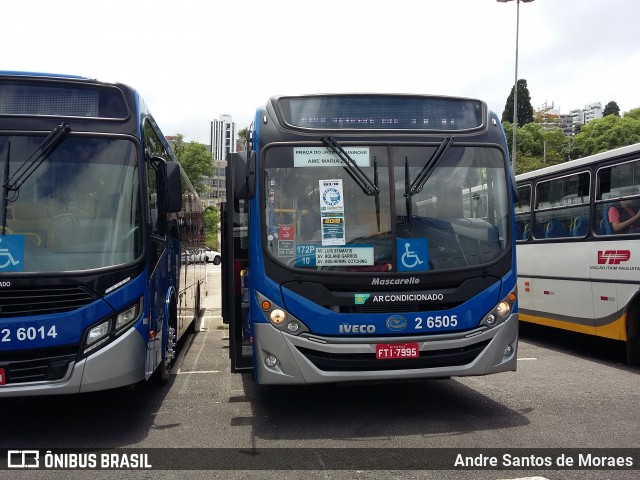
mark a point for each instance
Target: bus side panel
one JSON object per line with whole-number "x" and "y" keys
{"x": 614, "y": 261}
{"x": 564, "y": 300}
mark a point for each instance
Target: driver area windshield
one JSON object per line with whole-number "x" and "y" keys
{"x": 79, "y": 210}
{"x": 317, "y": 217}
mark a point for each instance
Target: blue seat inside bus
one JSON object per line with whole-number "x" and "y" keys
{"x": 538, "y": 231}
{"x": 580, "y": 226}
{"x": 555, "y": 229}
{"x": 604, "y": 223}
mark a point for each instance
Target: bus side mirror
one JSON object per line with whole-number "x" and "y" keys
{"x": 243, "y": 172}
{"x": 172, "y": 179}
{"x": 174, "y": 187}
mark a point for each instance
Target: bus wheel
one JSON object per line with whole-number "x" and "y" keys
{"x": 633, "y": 336}
{"x": 633, "y": 351}
{"x": 162, "y": 374}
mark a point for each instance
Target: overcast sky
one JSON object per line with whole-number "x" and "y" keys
{"x": 193, "y": 60}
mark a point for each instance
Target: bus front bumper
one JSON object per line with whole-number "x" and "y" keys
{"x": 118, "y": 364}
{"x": 317, "y": 359}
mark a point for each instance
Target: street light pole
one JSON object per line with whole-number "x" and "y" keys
{"x": 515, "y": 84}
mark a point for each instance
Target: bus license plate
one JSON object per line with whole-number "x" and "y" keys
{"x": 386, "y": 351}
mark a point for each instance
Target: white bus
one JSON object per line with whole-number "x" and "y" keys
{"x": 578, "y": 246}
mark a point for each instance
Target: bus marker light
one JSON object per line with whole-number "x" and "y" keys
{"x": 293, "y": 327}
{"x": 152, "y": 335}
{"x": 512, "y": 297}
{"x": 270, "y": 361}
{"x": 491, "y": 319}
{"x": 266, "y": 305}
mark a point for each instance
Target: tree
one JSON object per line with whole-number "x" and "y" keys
{"x": 538, "y": 146}
{"x": 211, "y": 226}
{"x": 178, "y": 145}
{"x": 611, "y": 108}
{"x": 195, "y": 160}
{"x": 525, "y": 110}
{"x": 633, "y": 114}
{"x": 242, "y": 136}
{"x": 608, "y": 132}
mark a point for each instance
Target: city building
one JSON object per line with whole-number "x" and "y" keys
{"x": 550, "y": 117}
{"x": 586, "y": 114}
{"x": 223, "y": 142}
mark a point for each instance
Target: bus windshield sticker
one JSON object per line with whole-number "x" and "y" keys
{"x": 12, "y": 253}
{"x": 413, "y": 254}
{"x": 332, "y": 212}
{"x": 286, "y": 232}
{"x": 323, "y": 157}
{"x": 286, "y": 248}
{"x": 332, "y": 229}
{"x": 344, "y": 256}
{"x": 315, "y": 255}
{"x": 305, "y": 255}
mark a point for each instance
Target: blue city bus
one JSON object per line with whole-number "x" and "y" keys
{"x": 96, "y": 216}
{"x": 369, "y": 237}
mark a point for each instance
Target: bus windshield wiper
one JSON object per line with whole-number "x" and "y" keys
{"x": 368, "y": 187}
{"x": 375, "y": 183}
{"x": 12, "y": 184}
{"x": 429, "y": 167}
{"x": 407, "y": 189}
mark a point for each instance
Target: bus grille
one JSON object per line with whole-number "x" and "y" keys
{"x": 367, "y": 362}
{"x": 26, "y": 301}
{"x": 48, "y": 365}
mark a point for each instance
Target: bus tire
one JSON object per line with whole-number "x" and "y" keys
{"x": 163, "y": 371}
{"x": 194, "y": 325}
{"x": 633, "y": 334}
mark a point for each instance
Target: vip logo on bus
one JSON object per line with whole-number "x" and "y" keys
{"x": 613, "y": 257}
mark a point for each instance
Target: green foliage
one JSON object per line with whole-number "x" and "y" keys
{"x": 633, "y": 114}
{"x": 195, "y": 160}
{"x": 211, "y": 226}
{"x": 611, "y": 108}
{"x": 525, "y": 110}
{"x": 608, "y": 132}
{"x": 538, "y": 147}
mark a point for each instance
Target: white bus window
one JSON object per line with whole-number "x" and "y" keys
{"x": 563, "y": 207}
{"x": 618, "y": 199}
{"x": 523, "y": 212}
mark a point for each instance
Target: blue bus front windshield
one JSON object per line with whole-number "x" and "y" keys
{"x": 317, "y": 217}
{"x": 79, "y": 210}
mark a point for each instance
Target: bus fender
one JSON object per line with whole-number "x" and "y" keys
{"x": 170, "y": 299}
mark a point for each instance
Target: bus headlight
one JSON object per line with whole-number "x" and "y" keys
{"x": 500, "y": 312}
{"x": 103, "y": 332}
{"x": 129, "y": 316}
{"x": 503, "y": 309}
{"x": 97, "y": 335}
{"x": 279, "y": 317}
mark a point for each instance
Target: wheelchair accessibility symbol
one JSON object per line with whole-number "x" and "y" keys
{"x": 11, "y": 253}
{"x": 412, "y": 254}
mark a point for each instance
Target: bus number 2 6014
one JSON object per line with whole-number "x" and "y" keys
{"x": 25, "y": 334}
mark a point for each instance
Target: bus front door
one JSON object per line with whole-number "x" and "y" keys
{"x": 235, "y": 262}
